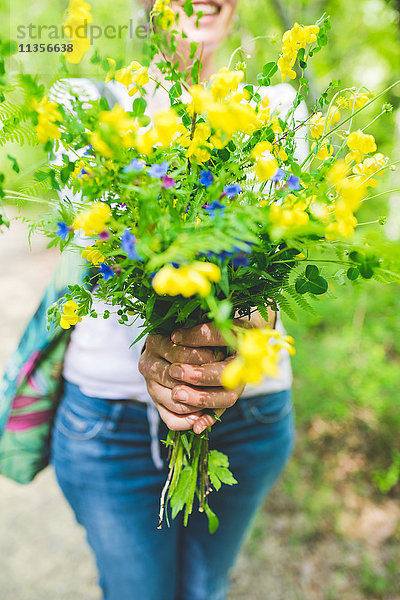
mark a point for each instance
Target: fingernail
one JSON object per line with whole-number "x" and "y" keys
{"x": 176, "y": 372}
{"x": 180, "y": 395}
{"x": 177, "y": 337}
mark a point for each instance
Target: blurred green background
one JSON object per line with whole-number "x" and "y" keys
{"x": 344, "y": 479}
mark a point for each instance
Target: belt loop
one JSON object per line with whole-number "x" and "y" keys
{"x": 154, "y": 419}
{"x": 114, "y": 415}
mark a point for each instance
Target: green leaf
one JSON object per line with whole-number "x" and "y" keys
{"x": 15, "y": 166}
{"x": 301, "y": 286}
{"x": 366, "y": 270}
{"x": 9, "y": 47}
{"x": 218, "y": 470}
{"x": 224, "y": 310}
{"x": 353, "y": 273}
{"x": 224, "y": 281}
{"x": 185, "y": 443}
{"x": 188, "y": 8}
{"x": 213, "y": 522}
{"x": 41, "y": 175}
{"x": 296, "y": 169}
{"x": 150, "y": 306}
{"x": 181, "y": 493}
{"x": 312, "y": 272}
{"x": 138, "y": 107}
{"x": 193, "y": 49}
{"x": 269, "y": 69}
{"x": 176, "y": 90}
{"x": 318, "y": 286}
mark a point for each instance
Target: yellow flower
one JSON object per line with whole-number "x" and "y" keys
{"x": 258, "y": 355}
{"x": 48, "y": 114}
{"x": 362, "y": 142}
{"x": 201, "y": 97}
{"x": 146, "y": 142}
{"x": 333, "y": 116}
{"x": 198, "y": 147}
{"x": 167, "y": 126}
{"x": 224, "y": 82}
{"x": 343, "y": 227}
{"x": 117, "y": 129}
{"x": 261, "y": 148}
{"x": 294, "y": 39}
{"x": 290, "y": 217}
{"x": 187, "y": 280}
{"x": 69, "y": 316}
{"x": 357, "y": 101}
{"x": 93, "y": 255}
{"x": 159, "y": 5}
{"x": 265, "y": 168}
{"x": 167, "y": 15}
{"x": 317, "y": 125}
{"x": 74, "y": 27}
{"x": 80, "y": 46}
{"x": 134, "y": 74}
{"x": 337, "y": 171}
{"x": 245, "y": 118}
{"x": 93, "y": 220}
{"x": 100, "y": 145}
{"x": 350, "y": 192}
{"x": 372, "y": 165}
{"x": 279, "y": 152}
{"x": 209, "y": 270}
{"x": 285, "y": 64}
{"x": 167, "y": 18}
{"x": 342, "y": 102}
{"x": 221, "y": 119}
{"x": 324, "y": 151}
{"x": 233, "y": 374}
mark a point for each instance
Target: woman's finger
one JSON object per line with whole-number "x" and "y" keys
{"x": 164, "y": 347}
{"x": 162, "y": 396}
{"x": 203, "y": 398}
{"x": 156, "y": 368}
{"x": 206, "y": 334}
{"x": 199, "y": 375}
{"x": 176, "y": 422}
{"x": 206, "y": 421}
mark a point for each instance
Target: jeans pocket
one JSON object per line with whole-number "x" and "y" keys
{"x": 77, "y": 427}
{"x": 270, "y": 408}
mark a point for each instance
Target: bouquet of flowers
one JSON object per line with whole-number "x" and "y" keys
{"x": 203, "y": 213}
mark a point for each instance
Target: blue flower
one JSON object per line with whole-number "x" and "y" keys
{"x": 206, "y": 178}
{"x": 136, "y": 164}
{"x": 232, "y": 190}
{"x": 88, "y": 150}
{"x": 212, "y": 208}
{"x": 278, "y": 175}
{"x": 106, "y": 271}
{"x": 240, "y": 261}
{"x": 158, "y": 170}
{"x": 294, "y": 183}
{"x": 128, "y": 242}
{"x": 63, "y": 230}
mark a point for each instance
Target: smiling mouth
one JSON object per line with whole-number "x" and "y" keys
{"x": 208, "y": 9}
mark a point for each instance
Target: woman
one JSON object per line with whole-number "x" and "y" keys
{"x": 105, "y": 446}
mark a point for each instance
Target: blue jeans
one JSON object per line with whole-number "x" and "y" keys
{"x": 105, "y": 464}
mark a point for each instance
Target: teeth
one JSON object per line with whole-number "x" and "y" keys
{"x": 206, "y": 9}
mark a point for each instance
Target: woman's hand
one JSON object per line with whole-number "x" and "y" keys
{"x": 183, "y": 374}
{"x": 183, "y": 377}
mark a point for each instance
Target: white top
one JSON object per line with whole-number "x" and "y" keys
{"x": 100, "y": 358}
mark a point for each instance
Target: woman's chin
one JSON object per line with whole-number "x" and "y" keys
{"x": 208, "y": 37}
